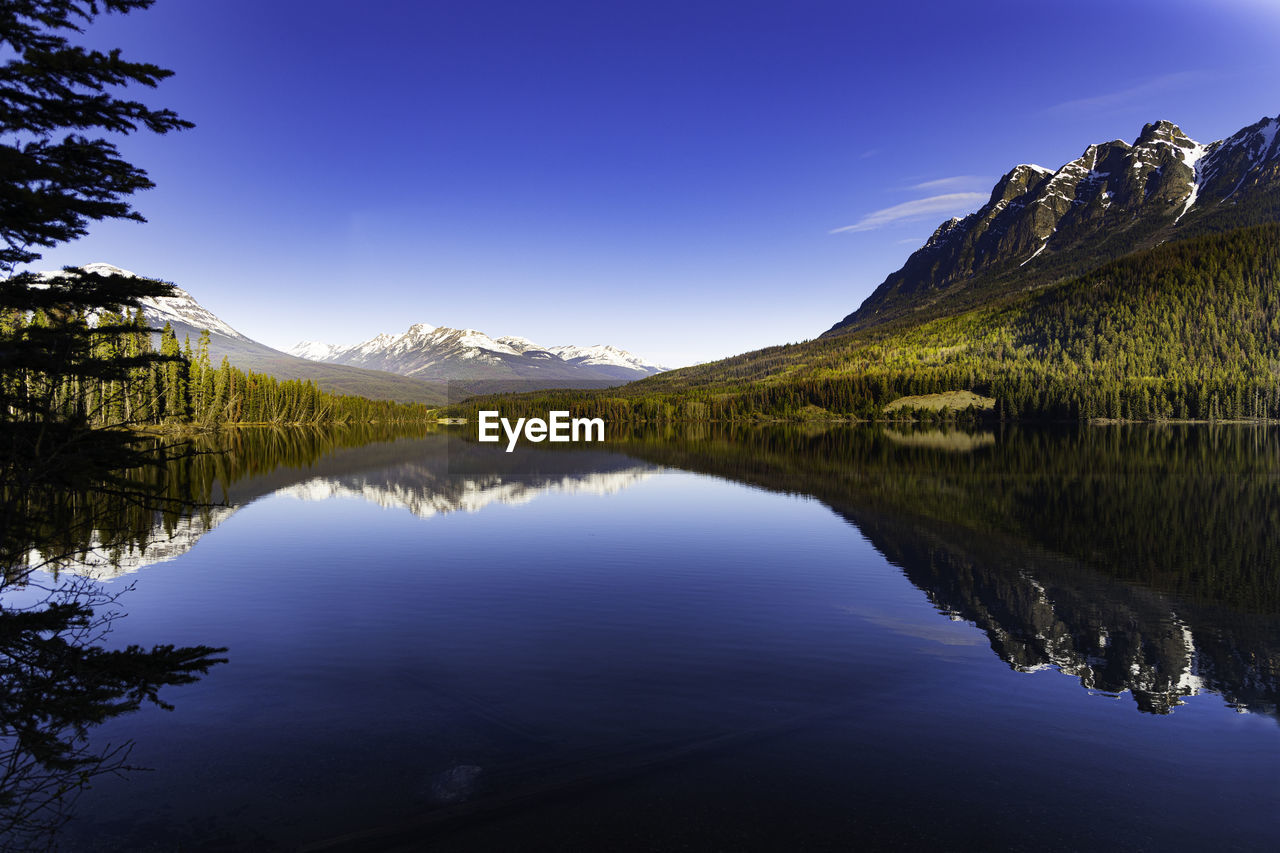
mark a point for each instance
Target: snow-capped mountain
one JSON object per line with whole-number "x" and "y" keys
{"x": 440, "y": 352}
{"x": 189, "y": 318}
{"x": 411, "y": 367}
{"x": 1041, "y": 224}
{"x": 181, "y": 309}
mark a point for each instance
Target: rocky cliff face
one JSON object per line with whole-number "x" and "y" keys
{"x": 1113, "y": 199}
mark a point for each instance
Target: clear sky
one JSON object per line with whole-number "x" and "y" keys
{"x": 675, "y": 178}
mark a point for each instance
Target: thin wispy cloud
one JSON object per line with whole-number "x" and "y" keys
{"x": 912, "y": 210}
{"x": 1125, "y": 97}
{"x": 955, "y": 183}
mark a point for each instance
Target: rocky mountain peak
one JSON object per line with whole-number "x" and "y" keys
{"x": 944, "y": 231}
{"x": 1113, "y": 199}
{"x": 1016, "y": 183}
{"x": 1163, "y": 132}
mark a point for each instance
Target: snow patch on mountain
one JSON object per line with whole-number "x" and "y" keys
{"x": 519, "y": 344}
{"x": 479, "y": 340}
{"x": 1192, "y": 158}
{"x": 314, "y": 350}
{"x": 603, "y": 354}
{"x": 1163, "y": 179}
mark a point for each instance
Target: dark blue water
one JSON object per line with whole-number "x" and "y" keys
{"x": 639, "y": 650}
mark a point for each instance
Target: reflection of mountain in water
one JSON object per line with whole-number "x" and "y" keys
{"x": 1136, "y": 561}
{"x": 1042, "y": 610}
{"x": 428, "y": 475}
{"x": 425, "y": 493}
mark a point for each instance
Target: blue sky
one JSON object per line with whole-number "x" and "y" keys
{"x": 686, "y": 180}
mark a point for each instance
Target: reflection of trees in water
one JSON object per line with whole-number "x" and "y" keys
{"x": 1137, "y": 560}
{"x": 196, "y": 490}
{"x": 58, "y": 682}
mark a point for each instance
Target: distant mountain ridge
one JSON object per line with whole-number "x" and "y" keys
{"x": 443, "y": 353}
{"x": 1041, "y": 225}
{"x": 188, "y": 318}
{"x": 426, "y": 364}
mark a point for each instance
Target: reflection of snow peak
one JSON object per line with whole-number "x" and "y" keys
{"x": 1163, "y": 674}
{"x": 469, "y": 494}
{"x": 100, "y": 563}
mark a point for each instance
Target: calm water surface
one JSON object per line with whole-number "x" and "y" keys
{"x": 824, "y": 639}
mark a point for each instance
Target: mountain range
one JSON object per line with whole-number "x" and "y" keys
{"x": 1042, "y": 225}
{"x": 442, "y": 353}
{"x": 188, "y": 318}
{"x": 424, "y": 365}
{"x": 1135, "y": 281}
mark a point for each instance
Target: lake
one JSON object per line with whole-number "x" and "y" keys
{"x": 817, "y": 638}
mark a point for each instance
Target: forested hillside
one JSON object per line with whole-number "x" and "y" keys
{"x": 1189, "y": 330}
